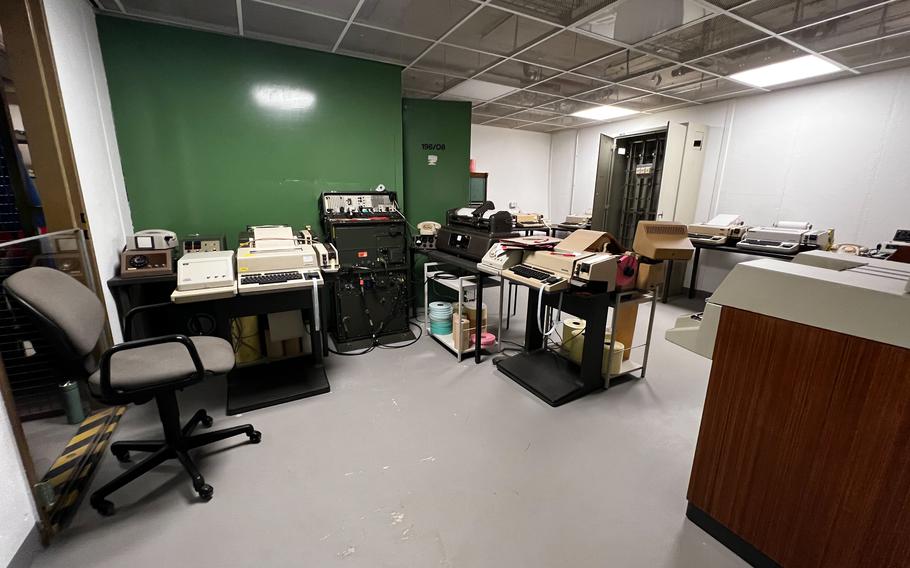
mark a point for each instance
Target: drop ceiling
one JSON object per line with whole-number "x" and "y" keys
{"x": 547, "y": 59}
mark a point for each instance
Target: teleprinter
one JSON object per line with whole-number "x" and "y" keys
{"x": 787, "y": 237}
{"x": 720, "y": 230}
{"x": 469, "y": 232}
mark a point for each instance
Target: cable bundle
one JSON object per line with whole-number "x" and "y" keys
{"x": 440, "y": 318}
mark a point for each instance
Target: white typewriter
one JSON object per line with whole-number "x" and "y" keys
{"x": 720, "y": 230}
{"x": 275, "y": 260}
{"x": 787, "y": 237}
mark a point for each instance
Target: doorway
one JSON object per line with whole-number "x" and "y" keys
{"x": 627, "y": 186}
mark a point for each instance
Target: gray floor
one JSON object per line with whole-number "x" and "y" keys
{"x": 416, "y": 460}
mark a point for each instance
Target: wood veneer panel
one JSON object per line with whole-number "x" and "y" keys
{"x": 806, "y": 454}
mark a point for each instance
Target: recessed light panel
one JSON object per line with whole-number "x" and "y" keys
{"x": 478, "y": 90}
{"x": 605, "y": 112}
{"x": 786, "y": 71}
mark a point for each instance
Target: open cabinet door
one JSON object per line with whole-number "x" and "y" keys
{"x": 606, "y": 158}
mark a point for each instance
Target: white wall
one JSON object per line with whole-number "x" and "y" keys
{"x": 17, "y": 510}
{"x": 519, "y": 166}
{"x": 832, "y": 154}
{"x": 86, "y": 102}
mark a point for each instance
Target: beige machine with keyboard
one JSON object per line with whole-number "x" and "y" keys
{"x": 275, "y": 260}
{"x": 571, "y": 262}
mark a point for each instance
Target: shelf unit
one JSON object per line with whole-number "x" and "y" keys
{"x": 463, "y": 286}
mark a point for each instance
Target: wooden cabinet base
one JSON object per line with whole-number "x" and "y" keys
{"x": 804, "y": 449}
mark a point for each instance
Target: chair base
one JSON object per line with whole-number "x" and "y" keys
{"x": 176, "y": 445}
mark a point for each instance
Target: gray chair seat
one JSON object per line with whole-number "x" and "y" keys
{"x": 164, "y": 363}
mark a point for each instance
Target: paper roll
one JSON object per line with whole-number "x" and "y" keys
{"x": 793, "y": 225}
{"x": 616, "y": 363}
{"x": 573, "y": 338}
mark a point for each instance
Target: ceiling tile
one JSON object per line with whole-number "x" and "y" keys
{"x": 336, "y": 8}
{"x": 668, "y": 78}
{"x": 480, "y": 119}
{"x": 428, "y": 82}
{"x": 517, "y": 74}
{"x": 540, "y": 128}
{"x": 268, "y": 22}
{"x": 527, "y": 99}
{"x": 495, "y": 109}
{"x": 730, "y": 4}
{"x": 508, "y": 123}
{"x": 568, "y": 121}
{"x": 709, "y": 89}
{"x": 412, "y": 94}
{"x": 567, "y": 106}
{"x": 650, "y": 102}
{"x": 220, "y": 15}
{"x": 568, "y": 85}
{"x": 892, "y": 64}
{"x": 862, "y": 26}
{"x": 559, "y": 12}
{"x": 445, "y": 58}
{"x": 535, "y": 115}
{"x": 424, "y": 18}
{"x": 782, "y": 15}
{"x": 499, "y": 32}
{"x": 568, "y": 50}
{"x": 377, "y": 44}
{"x": 706, "y": 37}
{"x": 633, "y": 21}
{"x": 749, "y": 57}
{"x": 624, "y": 65}
{"x": 873, "y": 52}
{"x": 611, "y": 95}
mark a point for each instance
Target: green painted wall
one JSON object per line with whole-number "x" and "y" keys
{"x": 200, "y": 154}
{"x": 431, "y": 190}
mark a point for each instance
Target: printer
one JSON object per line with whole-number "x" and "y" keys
{"x": 469, "y": 232}
{"x": 274, "y": 259}
{"x": 207, "y": 275}
{"x": 720, "y": 230}
{"x": 872, "y": 298}
{"x": 786, "y": 237}
{"x": 531, "y": 220}
{"x": 581, "y": 259}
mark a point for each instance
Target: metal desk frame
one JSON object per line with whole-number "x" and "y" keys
{"x": 732, "y": 249}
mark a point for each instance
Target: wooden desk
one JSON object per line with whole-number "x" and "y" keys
{"x": 803, "y": 457}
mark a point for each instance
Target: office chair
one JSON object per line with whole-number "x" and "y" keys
{"x": 71, "y": 318}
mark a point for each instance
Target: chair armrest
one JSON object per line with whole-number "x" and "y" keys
{"x": 106, "y": 389}
{"x": 130, "y": 315}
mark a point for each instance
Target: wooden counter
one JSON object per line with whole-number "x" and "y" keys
{"x": 803, "y": 457}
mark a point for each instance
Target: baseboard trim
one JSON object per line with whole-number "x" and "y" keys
{"x": 728, "y": 538}
{"x": 30, "y": 547}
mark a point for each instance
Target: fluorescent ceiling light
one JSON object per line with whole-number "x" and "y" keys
{"x": 473, "y": 89}
{"x": 786, "y": 71}
{"x": 604, "y": 112}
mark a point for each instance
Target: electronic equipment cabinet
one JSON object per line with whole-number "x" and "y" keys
{"x": 371, "y": 289}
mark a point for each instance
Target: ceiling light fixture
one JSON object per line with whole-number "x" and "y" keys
{"x": 604, "y": 112}
{"x": 788, "y": 71}
{"x": 476, "y": 90}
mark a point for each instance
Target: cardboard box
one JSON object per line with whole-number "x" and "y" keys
{"x": 651, "y": 276}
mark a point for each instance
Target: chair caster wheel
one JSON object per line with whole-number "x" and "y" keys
{"x": 122, "y": 457}
{"x": 207, "y": 421}
{"x": 205, "y": 491}
{"x": 104, "y": 507}
{"x": 255, "y": 436}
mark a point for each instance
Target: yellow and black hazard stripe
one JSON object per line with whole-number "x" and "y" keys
{"x": 71, "y": 473}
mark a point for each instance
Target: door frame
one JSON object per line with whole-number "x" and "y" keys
{"x": 34, "y": 73}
